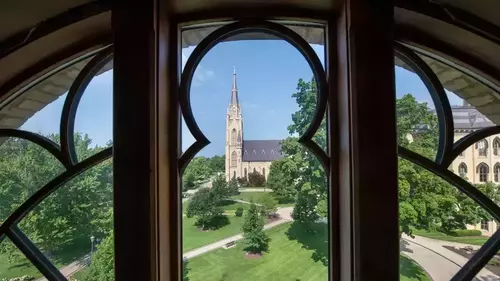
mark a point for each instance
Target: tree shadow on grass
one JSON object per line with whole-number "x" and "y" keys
{"x": 410, "y": 269}
{"x": 215, "y": 223}
{"x": 314, "y": 237}
{"x": 21, "y": 264}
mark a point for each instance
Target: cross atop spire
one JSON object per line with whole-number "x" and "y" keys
{"x": 234, "y": 91}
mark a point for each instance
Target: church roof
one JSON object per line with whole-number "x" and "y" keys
{"x": 261, "y": 150}
{"x": 467, "y": 117}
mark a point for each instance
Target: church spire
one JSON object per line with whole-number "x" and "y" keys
{"x": 234, "y": 91}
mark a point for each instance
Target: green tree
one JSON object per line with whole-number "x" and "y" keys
{"x": 310, "y": 179}
{"x": 282, "y": 176}
{"x": 204, "y": 206}
{"x": 255, "y": 239}
{"x": 197, "y": 172}
{"x": 77, "y": 210}
{"x": 233, "y": 187}
{"x": 256, "y": 179}
{"x": 102, "y": 264}
{"x": 220, "y": 188}
{"x": 218, "y": 164}
{"x": 425, "y": 200}
{"x": 268, "y": 204}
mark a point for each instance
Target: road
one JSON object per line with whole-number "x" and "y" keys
{"x": 440, "y": 263}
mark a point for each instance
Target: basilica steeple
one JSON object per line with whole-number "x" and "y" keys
{"x": 234, "y": 91}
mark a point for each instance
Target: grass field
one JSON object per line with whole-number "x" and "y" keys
{"x": 24, "y": 267}
{"x": 255, "y": 196}
{"x": 473, "y": 240}
{"x": 193, "y": 238}
{"x": 293, "y": 255}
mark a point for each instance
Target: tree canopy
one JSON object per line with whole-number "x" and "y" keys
{"x": 77, "y": 210}
{"x": 201, "y": 169}
{"x": 425, "y": 200}
{"x": 255, "y": 239}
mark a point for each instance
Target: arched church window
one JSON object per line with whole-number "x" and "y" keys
{"x": 234, "y": 159}
{"x": 496, "y": 171}
{"x": 234, "y": 175}
{"x": 482, "y": 147}
{"x": 483, "y": 171}
{"x": 254, "y": 152}
{"x": 233, "y": 136}
{"x": 245, "y": 171}
{"x": 462, "y": 169}
{"x": 496, "y": 146}
{"x": 264, "y": 172}
{"x": 263, "y": 151}
{"x": 254, "y": 170}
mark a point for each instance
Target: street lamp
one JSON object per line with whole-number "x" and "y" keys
{"x": 92, "y": 239}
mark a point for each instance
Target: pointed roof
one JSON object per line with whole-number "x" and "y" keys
{"x": 234, "y": 91}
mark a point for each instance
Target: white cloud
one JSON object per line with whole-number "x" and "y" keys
{"x": 201, "y": 74}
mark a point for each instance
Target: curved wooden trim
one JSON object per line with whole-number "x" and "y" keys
{"x": 453, "y": 16}
{"x": 75, "y": 93}
{"x": 446, "y": 54}
{"x": 42, "y": 29}
{"x": 44, "y": 67}
{"x": 243, "y": 11}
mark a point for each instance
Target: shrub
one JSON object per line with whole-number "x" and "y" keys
{"x": 466, "y": 232}
{"x": 239, "y": 212}
{"x": 22, "y": 278}
{"x": 255, "y": 179}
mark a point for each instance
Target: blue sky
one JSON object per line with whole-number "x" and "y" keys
{"x": 267, "y": 74}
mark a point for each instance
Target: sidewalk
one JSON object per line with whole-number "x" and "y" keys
{"x": 285, "y": 217}
{"x": 440, "y": 263}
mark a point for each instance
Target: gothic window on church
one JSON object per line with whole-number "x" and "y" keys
{"x": 482, "y": 148}
{"x": 254, "y": 170}
{"x": 254, "y": 152}
{"x": 263, "y": 152}
{"x": 483, "y": 171}
{"x": 234, "y": 159}
{"x": 496, "y": 171}
{"x": 496, "y": 146}
{"x": 462, "y": 170}
{"x": 245, "y": 172}
{"x": 264, "y": 171}
{"x": 233, "y": 136}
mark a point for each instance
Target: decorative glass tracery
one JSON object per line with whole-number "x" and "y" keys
{"x": 448, "y": 151}
{"x": 64, "y": 149}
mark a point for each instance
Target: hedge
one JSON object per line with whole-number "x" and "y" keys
{"x": 466, "y": 232}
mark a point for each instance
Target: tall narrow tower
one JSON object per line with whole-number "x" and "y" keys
{"x": 234, "y": 134}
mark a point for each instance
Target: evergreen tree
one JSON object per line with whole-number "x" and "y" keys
{"x": 255, "y": 239}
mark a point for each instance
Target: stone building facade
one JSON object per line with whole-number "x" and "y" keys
{"x": 246, "y": 156}
{"x": 479, "y": 163}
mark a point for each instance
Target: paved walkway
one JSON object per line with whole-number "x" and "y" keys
{"x": 251, "y": 189}
{"x": 440, "y": 263}
{"x": 285, "y": 214}
{"x": 72, "y": 268}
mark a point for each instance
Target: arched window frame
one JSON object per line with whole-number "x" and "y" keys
{"x": 483, "y": 172}
{"x": 462, "y": 169}
{"x": 496, "y": 146}
{"x": 496, "y": 171}
{"x": 482, "y": 148}
{"x": 233, "y": 136}
{"x": 234, "y": 159}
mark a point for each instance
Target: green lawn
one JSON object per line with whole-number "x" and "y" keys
{"x": 411, "y": 271}
{"x": 193, "y": 238}
{"x": 293, "y": 255}
{"x": 24, "y": 267}
{"x": 255, "y": 196}
{"x": 473, "y": 240}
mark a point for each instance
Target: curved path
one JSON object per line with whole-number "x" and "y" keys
{"x": 285, "y": 214}
{"x": 440, "y": 263}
